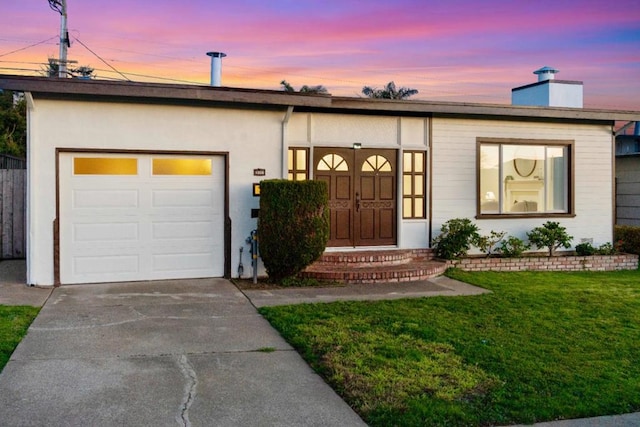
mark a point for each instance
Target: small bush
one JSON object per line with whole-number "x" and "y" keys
{"x": 551, "y": 235}
{"x": 585, "y": 249}
{"x": 293, "y": 225}
{"x": 627, "y": 237}
{"x": 513, "y": 247}
{"x": 457, "y": 236}
{"x": 606, "y": 249}
{"x": 487, "y": 244}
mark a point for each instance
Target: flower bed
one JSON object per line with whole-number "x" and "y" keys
{"x": 545, "y": 263}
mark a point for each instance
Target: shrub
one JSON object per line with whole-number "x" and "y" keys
{"x": 457, "y": 236}
{"x": 627, "y": 237}
{"x": 488, "y": 243}
{"x": 606, "y": 249}
{"x": 513, "y": 247}
{"x": 551, "y": 235}
{"x": 585, "y": 249}
{"x": 293, "y": 225}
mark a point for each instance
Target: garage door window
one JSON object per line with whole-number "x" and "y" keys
{"x": 173, "y": 166}
{"x": 105, "y": 166}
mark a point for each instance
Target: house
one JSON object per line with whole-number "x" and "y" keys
{"x": 628, "y": 178}
{"x": 137, "y": 181}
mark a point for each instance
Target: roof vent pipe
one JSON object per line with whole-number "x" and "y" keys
{"x": 546, "y": 73}
{"x": 216, "y": 67}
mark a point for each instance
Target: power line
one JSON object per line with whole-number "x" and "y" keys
{"x": 27, "y": 47}
{"x": 100, "y": 58}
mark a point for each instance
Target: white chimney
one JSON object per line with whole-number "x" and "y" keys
{"x": 216, "y": 67}
{"x": 549, "y": 92}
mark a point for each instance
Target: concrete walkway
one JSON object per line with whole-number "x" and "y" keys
{"x": 179, "y": 352}
{"x": 188, "y": 352}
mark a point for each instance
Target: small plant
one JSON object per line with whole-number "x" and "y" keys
{"x": 606, "y": 249}
{"x": 627, "y": 238}
{"x": 585, "y": 249}
{"x": 487, "y": 244}
{"x": 457, "y": 236}
{"x": 513, "y": 247}
{"x": 551, "y": 235}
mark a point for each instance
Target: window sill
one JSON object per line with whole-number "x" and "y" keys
{"x": 526, "y": 215}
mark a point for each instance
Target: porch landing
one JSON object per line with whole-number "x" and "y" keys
{"x": 376, "y": 266}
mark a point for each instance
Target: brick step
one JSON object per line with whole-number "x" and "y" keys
{"x": 368, "y": 258}
{"x": 419, "y": 268}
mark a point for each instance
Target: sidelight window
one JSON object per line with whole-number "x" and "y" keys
{"x": 413, "y": 188}
{"x": 298, "y": 164}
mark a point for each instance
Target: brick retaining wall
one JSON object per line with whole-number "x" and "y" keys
{"x": 544, "y": 263}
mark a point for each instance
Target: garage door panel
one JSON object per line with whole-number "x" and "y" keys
{"x": 96, "y": 268}
{"x": 140, "y": 227}
{"x": 182, "y": 198}
{"x": 106, "y": 232}
{"x": 190, "y": 261}
{"x": 101, "y": 199}
{"x": 182, "y": 230}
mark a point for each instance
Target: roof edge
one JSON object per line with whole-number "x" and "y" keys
{"x": 162, "y": 92}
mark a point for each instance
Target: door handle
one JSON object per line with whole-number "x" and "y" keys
{"x": 357, "y": 202}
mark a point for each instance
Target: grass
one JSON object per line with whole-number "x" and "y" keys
{"x": 540, "y": 347}
{"x": 14, "y": 321}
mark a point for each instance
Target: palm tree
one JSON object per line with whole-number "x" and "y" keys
{"x": 304, "y": 89}
{"x": 389, "y": 92}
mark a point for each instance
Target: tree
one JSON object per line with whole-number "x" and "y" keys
{"x": 52, "y": 70}
{"x": 389, "y": 92}
{"x": 293, "y": 225}
{"x": 304, "y": 89}
{"x": 551, "y": 235}
{"x": 83, "y": 72}
{"x": 13, "y": 125}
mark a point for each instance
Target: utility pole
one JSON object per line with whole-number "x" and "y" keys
{"x": 60, "y": 6}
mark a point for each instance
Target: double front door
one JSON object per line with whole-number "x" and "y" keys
{"x": 362, "y": 194}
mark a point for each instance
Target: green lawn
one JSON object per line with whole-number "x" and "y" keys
{"x": 14, "y": 321}
{"x": 542, "y": 346}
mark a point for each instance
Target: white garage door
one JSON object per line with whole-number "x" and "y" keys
{"x": 140, "y": 217}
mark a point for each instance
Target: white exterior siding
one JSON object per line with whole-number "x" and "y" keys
{"x": 454, "y": 174}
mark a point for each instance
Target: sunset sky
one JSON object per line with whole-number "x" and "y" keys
{"x": 450, "y": 50}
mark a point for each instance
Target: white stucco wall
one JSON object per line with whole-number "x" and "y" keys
{"x": 252, "y": 138}
{"x": 454, "y": 174}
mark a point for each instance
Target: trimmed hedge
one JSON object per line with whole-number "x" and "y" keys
{"x": 293, "y": 225}
{"x": 627, "y": 238}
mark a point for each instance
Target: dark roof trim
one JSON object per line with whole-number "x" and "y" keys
{"x": 545, "y": 82}
{"x": 74, "y": 88}
{"x": 241, "y": 98}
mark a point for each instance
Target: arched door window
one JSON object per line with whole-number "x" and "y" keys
{"x": 333, "y": 162}
{"x": 376, "y": 163}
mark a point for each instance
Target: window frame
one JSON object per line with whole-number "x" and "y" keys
{"x": 412, "y": 196}
{"x": 569, "y": 144}
{"x": 293, "y": 172}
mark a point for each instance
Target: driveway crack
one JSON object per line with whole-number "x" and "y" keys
{"x": 191, "y": 383}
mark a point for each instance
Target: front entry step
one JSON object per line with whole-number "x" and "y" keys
{"x": 376, "y": 266}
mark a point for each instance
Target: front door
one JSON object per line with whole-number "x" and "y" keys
{"x": 362, "y": 194}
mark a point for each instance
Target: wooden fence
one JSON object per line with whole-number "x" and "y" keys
{"x": 13, "y": 183}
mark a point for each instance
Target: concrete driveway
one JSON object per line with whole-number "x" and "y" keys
{"x": 172, "y": 353}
